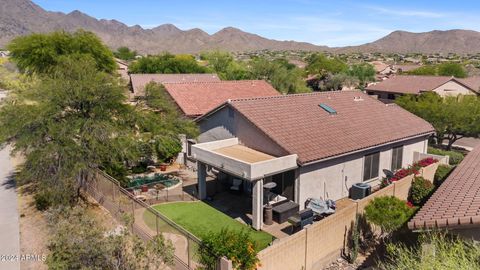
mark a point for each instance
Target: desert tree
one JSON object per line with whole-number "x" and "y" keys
{"x": 40, "y": 53}
{"x": 452, "y": 117}
{"x": 74, "y": 120}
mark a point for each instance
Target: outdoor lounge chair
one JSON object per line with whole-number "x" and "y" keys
{"x": 301, "y": 219}
{"x": 283, "y": 210}
{"x": 237, "y": 185}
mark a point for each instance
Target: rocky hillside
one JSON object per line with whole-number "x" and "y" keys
{"x": 457, "y": 41}
{"x": 20, "y": 17}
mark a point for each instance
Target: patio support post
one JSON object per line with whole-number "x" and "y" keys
{"x": 257, "y": 205}
{"x": 202, "y": 180}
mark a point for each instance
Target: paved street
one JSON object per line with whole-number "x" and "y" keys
{"x": 9, "y": 225}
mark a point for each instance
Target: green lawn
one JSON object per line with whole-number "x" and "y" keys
{"x": 200, "y": 218}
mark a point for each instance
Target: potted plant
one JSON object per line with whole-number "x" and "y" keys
{"x": 163, "y": 166}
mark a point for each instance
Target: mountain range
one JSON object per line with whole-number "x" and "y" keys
{"x": 21, "y": 17}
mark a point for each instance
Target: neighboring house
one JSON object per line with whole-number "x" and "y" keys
{"x": 405, "y": 68}
{"x": 395, "y": 86}
{"x": 456, "y": 203}
{"x": 196, "y": 98}
{"x": 311, "y": 145}
{"x": 4, "y": 54}
{"x": 382, "y": 68}
{"x": 139, "y": 81}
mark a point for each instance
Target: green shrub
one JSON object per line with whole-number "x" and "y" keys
{"x": 388, "y": 212}
{"x": 443, "y": 171}
{"x": 237, "y": 246}
{"x": 435, "y": 250}
{"x": 118, "y": 171}
{"x": 455, "y": 156}
{"x": 420, "y": 190}
{"x": 141, "y": 167}
{"x": 167, "y": 148}
{"x": 353, "y": 241}
{"x": 43, "y": 200}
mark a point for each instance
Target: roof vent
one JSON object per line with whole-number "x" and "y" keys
{"x": 357, "y": 98}
{"x": 327, "y": 108}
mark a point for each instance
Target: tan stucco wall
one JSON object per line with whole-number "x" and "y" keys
{"x": 452, "y": 88}
{"x": 222, "y": 126}
{"x": 319, "y": 244}
{"x": 332, "y": 179}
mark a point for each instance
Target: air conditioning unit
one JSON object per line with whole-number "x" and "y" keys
{"x": 360, "y": 190}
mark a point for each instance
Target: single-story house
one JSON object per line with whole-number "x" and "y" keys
{"x": 314, "y": 145}
{"x": 382, "y": 68}
{"x": 395, "y": 86}
{"x": 456, "y": 203}
{"x": 139, "y": 81}
{"x": 196, "y": 98}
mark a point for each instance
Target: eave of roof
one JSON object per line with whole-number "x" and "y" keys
{"x": 455, "y": 204}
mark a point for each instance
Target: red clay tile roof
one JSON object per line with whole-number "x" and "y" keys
{"x": 195, "y": 99}
{"x": 300, "y": 126}
{"x": 457, "y": 201}
{"x": 409, "y": 84}
{"x": 472, "y": 82}
{"x": 139, "y": 81}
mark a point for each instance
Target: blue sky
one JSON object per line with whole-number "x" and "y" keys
{"x": 332, "y": 23}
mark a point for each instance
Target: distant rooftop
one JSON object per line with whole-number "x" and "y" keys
{"x": 415, "y": 84}
{"x": 197, "y": 98}
{"x": 139, "y": 81}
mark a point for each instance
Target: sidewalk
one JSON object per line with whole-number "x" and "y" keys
{"x": 9, "y": 225}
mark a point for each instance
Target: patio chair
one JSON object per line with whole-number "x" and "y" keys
{"x": 302, "y": 219}
{"x": 237, "y": 185}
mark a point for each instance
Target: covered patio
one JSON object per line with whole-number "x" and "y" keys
{"x": 247, "y": 169}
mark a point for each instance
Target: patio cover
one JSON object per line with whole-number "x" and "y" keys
{"x": 241, "y": 161}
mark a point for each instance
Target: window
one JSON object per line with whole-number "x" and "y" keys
{"x": 371, "y": 166}
{"x": 397, "y": 158}
{"x": 391, "y": 96}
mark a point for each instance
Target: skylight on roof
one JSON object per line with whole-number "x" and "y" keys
{"x": 327, "y": 108}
